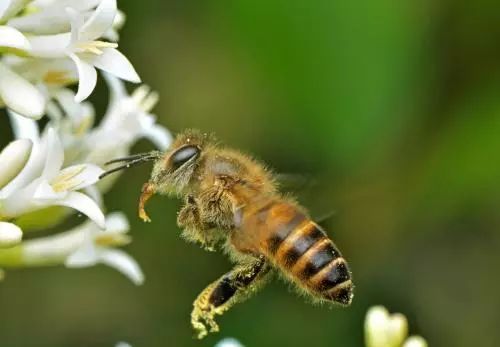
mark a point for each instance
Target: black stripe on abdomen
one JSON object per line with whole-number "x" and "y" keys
{"x": 318, "y": 258}
{"x": 303, "y": 238}
{"x": 282, "y": 232}
{"x": 336, "y": 274}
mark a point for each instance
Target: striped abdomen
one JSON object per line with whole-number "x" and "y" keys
{"x": 302, "y": 250}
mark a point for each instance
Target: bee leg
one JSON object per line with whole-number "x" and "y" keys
{"x": 194, "y": 229}
{"x": 216, "y": 208}
{"x": 233, "y": 287}
{"x": 148, "y": 189}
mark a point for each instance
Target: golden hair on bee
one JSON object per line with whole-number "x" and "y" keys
{"x": 231, "y": 202}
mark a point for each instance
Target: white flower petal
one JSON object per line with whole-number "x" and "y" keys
{"x": 54, "y": 249}
{"x": 51, "y": 18}
{"x": 111, "y": 35}
{"x": 375, "y": 326}
{"x": 20, "y": 95}
{"x": 54, "y": 113}
{"x": 117, "y": 89}
{"x": 123, "y": 344}
{"x": 31, "y": 170}
{"x": 79, "y": 5}
{"x": 12, "y": 8}
{"x": 94, "y": 193}
{"x": 66, "y": 98}
{"x": 86, "y": 255}
{"x": 124, "y": 263}
{"x": 13, "y": 158}
{"x": 10, "y": 37}
{"x": 117, "y": 222}
{"x": 115, "y": 63}
{"x": 10, "y": 235}
{"x": 4, "y": 5}
{"x": 397, "y": 329}
{"x": 46, "y": 22}
{"x": 146, "y": 120}
{"x": 87, "y": 78}
{"x": 384, "y": 330}
{"x": 76, "y": 21}
{"x": 85, "y": 205}
{"x": 159, "y": 135}
{"x": 24, "y": 128}
{"x": 55, "y": 155}
{"x": 77, "y": 177}
{"x": 119, "y": 20}
{"x": 100, "y": 21}
{"x": 50, "y": 46}
{"x": 44, "y": 191}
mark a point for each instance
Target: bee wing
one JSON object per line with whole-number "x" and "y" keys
{"x": 292, "y": 182}
{"x": 305, "y": 187}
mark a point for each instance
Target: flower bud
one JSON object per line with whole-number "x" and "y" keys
{"x": 13, "y": 158}
{"x": 415, "y": 341}
{"x": 10, "y": 235}
{"x": 229, "y": 342}
{"x": 384, "y": 330}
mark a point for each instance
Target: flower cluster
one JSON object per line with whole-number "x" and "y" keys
{"x": 46, "y": 46}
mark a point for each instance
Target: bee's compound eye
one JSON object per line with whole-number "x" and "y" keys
{"x": 183, "y": 155}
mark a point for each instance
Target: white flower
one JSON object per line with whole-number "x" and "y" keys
{"x": 83, "y": 246}
{"x": 97, "y": 248}
{"x": 228, "y": 342}
{"x": 20, "y": 95}
{"x": 10, "y": 234}
{"x": 13, "y": 158}
{"x": 415, "y": 341}
{"x": 384, "y": 330}
{"x": 84, "y": 48}
{"x": 54, "y": 186}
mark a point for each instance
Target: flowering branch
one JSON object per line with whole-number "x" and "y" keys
{"x": 47, "y": 174}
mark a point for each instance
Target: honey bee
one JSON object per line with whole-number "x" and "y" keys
{"x": 231, "y": 202}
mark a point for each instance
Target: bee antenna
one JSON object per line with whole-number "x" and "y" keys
{"x": 152, "y": 155}
{"x": 130, "y": 161}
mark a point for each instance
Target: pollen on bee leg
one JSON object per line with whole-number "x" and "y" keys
{"x": 147, "y": 191}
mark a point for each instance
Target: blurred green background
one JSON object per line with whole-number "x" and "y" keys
{"x": 392, "y": 107}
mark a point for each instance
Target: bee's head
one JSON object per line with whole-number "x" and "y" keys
{"x": 178, "y": 166}
{"x": 173, "y": 170}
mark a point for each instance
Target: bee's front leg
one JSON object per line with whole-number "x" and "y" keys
{"x": 231, "y": 288}
{"x": 193, "y": 227}
{"x": 148, "y": 189}
{"x": 216, "y": 207}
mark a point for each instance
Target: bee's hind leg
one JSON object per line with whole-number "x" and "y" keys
{"x": 233, "y": 287}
